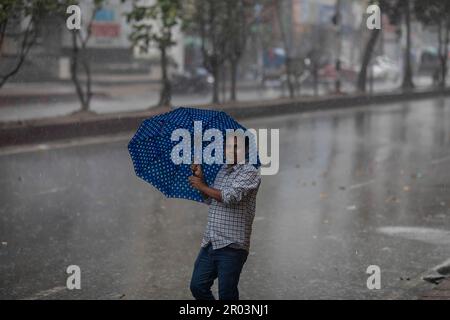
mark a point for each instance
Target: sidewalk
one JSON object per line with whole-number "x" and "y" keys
{"x": 13, "y": 94}
{"x": 107, "y": 87}
{"x": 103, "y": 86}
{"x": 76, "y": 125}
{"x": 440, "y": 292}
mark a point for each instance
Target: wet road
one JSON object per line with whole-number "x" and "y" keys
{"x": 357, "y": 187}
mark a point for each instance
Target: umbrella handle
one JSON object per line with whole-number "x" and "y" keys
{"x": 193, "y": 173}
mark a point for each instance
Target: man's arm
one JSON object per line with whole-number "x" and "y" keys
{"x": 216, "y": 194}
{"x": 206, "y": 198}
{"x": 198, "y": 182}
{"x": 201, "y": 186}
{"x": 247, "y": 180}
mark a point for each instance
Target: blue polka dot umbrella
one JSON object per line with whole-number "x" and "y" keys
{"x": 151, "y": 149}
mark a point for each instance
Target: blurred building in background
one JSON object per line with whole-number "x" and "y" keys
{"x": 109, "y": 48}
{"x": 311, "y": 36}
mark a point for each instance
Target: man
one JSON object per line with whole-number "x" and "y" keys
{"x": 226, "y": 241}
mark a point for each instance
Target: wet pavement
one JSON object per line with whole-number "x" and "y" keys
{"x": 356, "y": 187}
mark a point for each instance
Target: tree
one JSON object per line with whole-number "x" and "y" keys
{"x": 407, "y": 83}
{"x": 368, "y": 50}
{"x": 12, "y": 13}
{"x": 79, "y": 60}
{"x": 209, "y": 20}
{"x": 288, "y": 61}
{"x": 237, "y": 26}
{"x": 153, "y": 25}
{"x": 437, "y": 13}
{"x": 315, "y": 60}
{"x": 392, "y": 9}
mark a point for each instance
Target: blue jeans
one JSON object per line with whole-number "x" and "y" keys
{"x": 225, "y": 264}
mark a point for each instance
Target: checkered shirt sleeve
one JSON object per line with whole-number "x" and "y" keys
{"x": 230, "y": 221}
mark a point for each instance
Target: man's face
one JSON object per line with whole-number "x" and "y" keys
{"x": 233, "y": 150}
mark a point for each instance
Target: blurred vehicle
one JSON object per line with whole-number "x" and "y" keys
{"x": 198, "y": 80}
{"x": 274, "y": 67}
{"x": 429, "y": 61}
{"x": 328, "y": 72}
{"x": 384, "y": 68}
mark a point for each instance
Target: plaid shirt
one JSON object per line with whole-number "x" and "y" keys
{"x": 230, "y": 221}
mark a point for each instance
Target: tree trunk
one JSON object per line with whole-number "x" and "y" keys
{"x": 24, "y": 49}
{"x": 316, "y": 79}
{"x": 362, "y": 77}
{"x": 407, "y": 74}
{"x": 3, "y": 26}
{"x": 223, "y": 78}
{"x": 444, "y": 57}
{"x": 87, "y": 69}
{"x": 287, "y": 59}
{"x": 289, "y": 76}
{"x": 74, "y": 71}
{"x": 165, "y": 94}
{"x": 215, "y": 74}
{"x": 234, "y": 66}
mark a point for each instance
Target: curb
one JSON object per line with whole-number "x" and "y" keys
{"x": 45, "y": 130}
{"x": 51, "y": 129}
{"x": 440, "y": 292}
{"x": 11, "y": 99}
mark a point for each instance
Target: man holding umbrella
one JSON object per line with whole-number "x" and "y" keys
{"x": 226, "y": 241}
{"x": 230, "y": 189}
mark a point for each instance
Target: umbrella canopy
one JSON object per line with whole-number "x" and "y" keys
{"x": 151, "y": 149}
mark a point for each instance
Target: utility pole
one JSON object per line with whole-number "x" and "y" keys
{"x": 337, "y": 20}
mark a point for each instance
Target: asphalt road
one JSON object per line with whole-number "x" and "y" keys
{"x": 356, "y": 187}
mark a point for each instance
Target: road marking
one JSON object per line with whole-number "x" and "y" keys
{"x": 363, "y": 184}
{"x": 63, "y": 144}
{"x": 52, "y": 190}
{"x": 440, "y": 160}
{"x": 46, "y": 293}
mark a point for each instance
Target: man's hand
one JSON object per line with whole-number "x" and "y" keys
{"x": 197, "y": 180}
{"x": 197, "y": 170}
{"x": 197, "y": 183}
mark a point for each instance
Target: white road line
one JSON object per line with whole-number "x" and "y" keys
{"x": 45, "y": 293}
{"x": 440, "y": 160}
{"x": 63, "y": 144}
{"x": 52, "y": 190}
{"x": 363, "y": 184}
